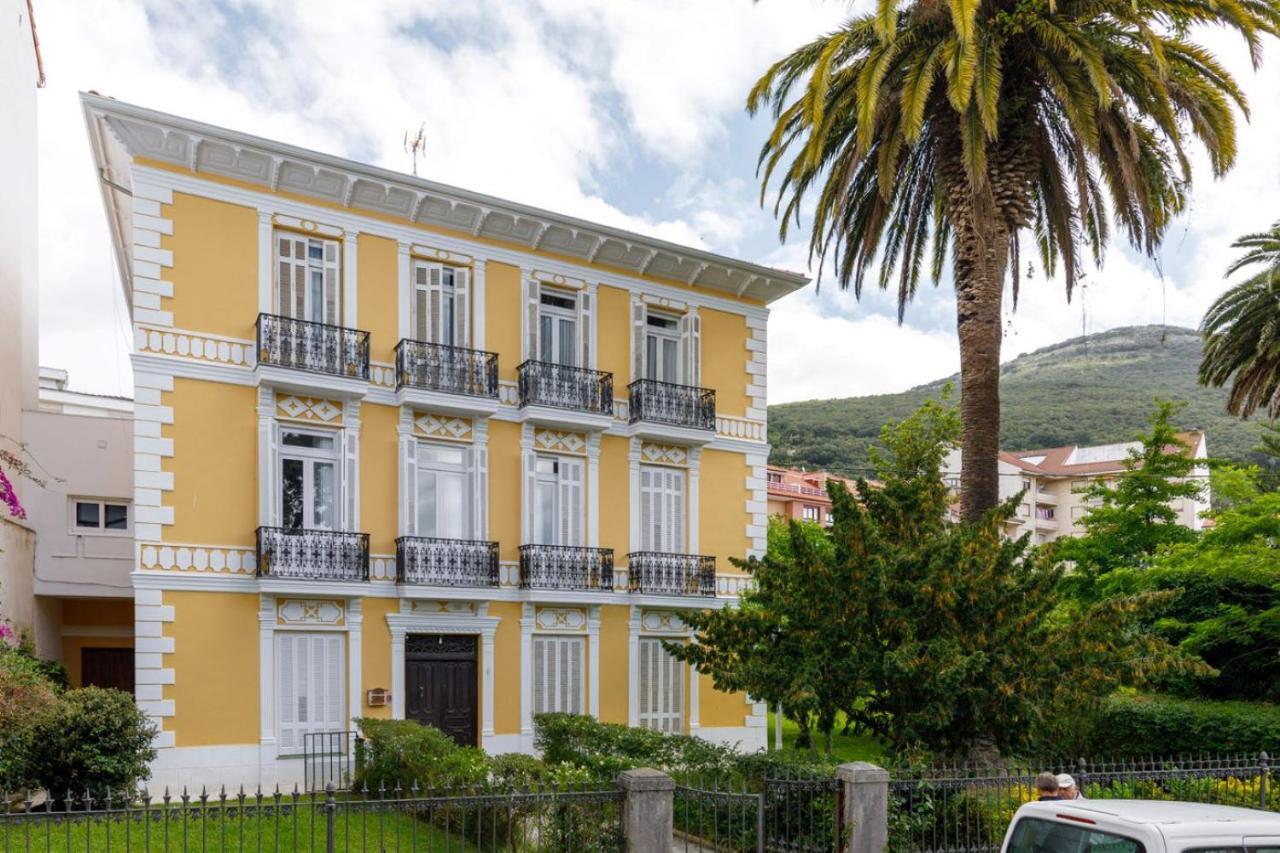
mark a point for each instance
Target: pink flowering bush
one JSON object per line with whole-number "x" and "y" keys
{"x": 10, "y": 498}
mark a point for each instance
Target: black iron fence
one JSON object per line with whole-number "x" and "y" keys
{"x": 961, "y": 808}
{"x": 671, "y": 574}
{"x": 800, "y": 813}
{"x": 329, "y": 758}
{"x": 446, "y": 562}
{"x": 298, "y": 554}
{"x": 315, "y": 347}
{"x": 567, "y": 818}
{"x": 668, "y": 403}
{"x": 563, "y": 386}
{"x": 452, "y": 370}
{"x": 566, "y": 567}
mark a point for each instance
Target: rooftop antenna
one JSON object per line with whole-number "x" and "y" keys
{"x": 416, "y": 146}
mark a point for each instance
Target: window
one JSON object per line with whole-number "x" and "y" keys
{"x": 661, "y": 688}
{"x": 307, "y": 278}
{"x": 662, "y": 348}
{"x": 1033, "y": 835}
{"x": 440, "y": 300}
{"x": 104, "y": 517}
{"x": 1044, "y": 512}
{"x": 662, "y": 510}
{"x": 308, "y": 480}
{"x": 442, "y": 492}
{"x": 558, "y": 328}
{"x": 810, "y": 513}
{"x": 775, "y": 477}
{"x": 557, "y": 675}
{"x": 831, "y": 517}
{"x": 557, "y": 509}
{"x": 310, "y": 674}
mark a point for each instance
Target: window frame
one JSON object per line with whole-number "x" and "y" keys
{"x": 462, "y": 470}
{"x": 278, "y": 686}
{"x": 577, "y": 692}
{"x": 309, "y": 457}
{"x": 809, "y": 512}
{"x": 559, "y": 483}
{"x": 559, "y": 315}
{"x": 662, "y": 336}
{"x": 75, "y": 529}
{"x": 311, "y": 266}
{"x": 662, "y": 500}
{"x": 656, "y": 694}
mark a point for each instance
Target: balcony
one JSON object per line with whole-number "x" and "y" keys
{"x": 312, "y": 555}
{"x": 572, "y": 396}
{"x": 566, "y": 567}
{"x": 446, "y": 369}
{"x": 659, "y": 573}
{"x": 297, "y": 348}
{"x": 666, "y": 403}
{"x": 446, "y": 562}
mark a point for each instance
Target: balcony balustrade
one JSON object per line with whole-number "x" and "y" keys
{"x": 451, "y": 370}
{"x": 660, "y": 573}
{"x": 313, "y": 347}
{"x": 675, "y": 405}
{"x": 313, "y": 555}
{"x": 563, "y": 386}
{"x": 566, "y": 567}
{"x": 446, "y": 562}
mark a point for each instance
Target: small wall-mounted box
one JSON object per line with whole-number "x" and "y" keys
{"x": 377, "y": 697}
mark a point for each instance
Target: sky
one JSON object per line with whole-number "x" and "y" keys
{"x": 624, "y": 112}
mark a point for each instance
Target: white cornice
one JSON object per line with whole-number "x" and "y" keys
{"x": 208, "y": 149}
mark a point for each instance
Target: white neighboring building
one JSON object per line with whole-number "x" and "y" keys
{"x": 1054, "y": 478}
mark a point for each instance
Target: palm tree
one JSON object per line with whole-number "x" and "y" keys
{"x": 932, "y": 130}
{"x": 1242, "y": 330}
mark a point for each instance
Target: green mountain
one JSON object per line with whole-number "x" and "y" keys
{"x": 1090, "y": 390}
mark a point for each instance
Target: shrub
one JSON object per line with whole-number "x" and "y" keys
{"x": 404, "y": 753}
{"x": 607, "y": 749}
{"x": 1159, "y": 725}
{"x": 26, "y": 695}
{"x": 93, "y": 740}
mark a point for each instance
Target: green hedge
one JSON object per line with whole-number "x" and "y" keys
{"x": 606, "y": 749}
{"x": 1158, "y": 725}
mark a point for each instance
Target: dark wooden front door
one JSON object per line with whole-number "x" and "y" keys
{"x": 440, "y": 684}
{"x": 107, "y": 668}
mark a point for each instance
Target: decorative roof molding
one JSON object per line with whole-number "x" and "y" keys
{"x": 207, "y": 149}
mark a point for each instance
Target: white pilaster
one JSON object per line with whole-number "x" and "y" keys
{"x": 480, "y": 463}
{"x": 404, "y": 292}
{"x": 593, "y": 661}
{"x": 266, "y": 670}
{"x": 633, "y": 496}
{"x": 355, "y": 657}
{"x": 397, "y": 671}
{"x": 633, "y": 668}
{"x": 478, "y": 304}
{"x": 529, "y": 464}
{"x": 527, "y": 621}
{"x": 268, "y": 510}
{"x": 486, "y": 675}
{"x": 695, "y": 468}
{"x": 593, "y": 489}
{"x": 265, "y": 302}
{"x": 408, "y": 449}
{"x": 694, "y": 699}
{"x": 351, "y": 464}
{"x": 350, "y": 277}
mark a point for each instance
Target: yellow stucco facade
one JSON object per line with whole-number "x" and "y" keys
{"x": 388, "y": 465}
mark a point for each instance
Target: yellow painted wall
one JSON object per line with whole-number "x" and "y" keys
{"x": 722, "y": 507}
{"x": 502, "y": 316}
{"x": 615, "y": 494}
{"x": 379, "y": 476}
{"x": 724, "y": 360}
{"x": 376, "y": 303}
{"x": 504, "y": 487}
{"x": 375, "y": 653}
{"x": 215, "y": 265}
{"x": 613, "y": 336}
{"x": 718, "y": 709}
{"x": 506, "y": 671}
{"x": 215, "y": 463}
{"x": 215, "y": 663}
{"x": 614, "y": 663}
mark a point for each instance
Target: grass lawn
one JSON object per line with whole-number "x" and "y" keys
{"x": 843, "y": 747}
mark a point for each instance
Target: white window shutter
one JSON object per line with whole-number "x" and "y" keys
{"x": 575, "y": 674}
{"x": 675, "y": 513}
{"x": 661, "y": 688}
{"x": 291, "y": 275}
{"x": 533, "y": 301}
{"x": 409, "y": 475}
{"x": 310, "y": 673}
{"x": 332, "y": 304}
{"x": 461, "y": 307}
{"x": 638, "y": 315}
{"x": 647, "y": 542}
{"x": 691, "y": 347}
{"x": 286, "y": 706}
{"x": 435, "y": 283}
{"x": 421, "y": 300}
{"x": 570, "y": 502}
{"x": 584, "y": 328}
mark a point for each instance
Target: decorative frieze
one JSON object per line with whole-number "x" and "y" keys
{"x": 556, "y": 441}
{"x": 663, "y": 622}
{"x": 561, "y": 619}
{"x": 181, "y": 343}
{"x": 382, "y": 374}
{"x": 456, "y": 608}
{"x": 664, "y": 454}
{"x": 309, "y": 409}
{"x": 305, "y": 611}
{"x": 163, "y": 557}
{"x": 448, "y": 427}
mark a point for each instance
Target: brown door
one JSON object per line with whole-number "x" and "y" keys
{"x": 107, "y": 668}
{"x": 440, "y": 684}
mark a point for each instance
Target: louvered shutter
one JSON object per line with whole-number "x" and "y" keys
{"x": 409, "y": 477}
{"x": 435, "y": 279}
{"x": 570, "y": 484}
{"x": 638, "y": 315}
{"x": 461, "y": 307}
{"x": 647, "y": 542}
{"x": 661, "y": 681}
{"x": 287, "y": 703}
{"x": 557, "y": 675}
{"x": 331, "y": 304}
{"x": 584, "y": 328}
{"x": 691, "y": 347}
{"x": 310, "y": 674}
{"x": 675, "y": 512}
{"x": 541, "y": 673}
{"x": 533, "y": 299}
{"x": 291, "y": 275}
{"x": 421, "y": 329}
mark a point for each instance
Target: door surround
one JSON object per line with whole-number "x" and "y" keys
{"x": 426, "y": 650}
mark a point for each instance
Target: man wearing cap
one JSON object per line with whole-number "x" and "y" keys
{"x": 1067, "y": 788}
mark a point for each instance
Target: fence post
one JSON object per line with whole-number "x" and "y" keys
{"x": 1263, "y": 760}
{"x": 330, "y": 806}
{"x": 648, "y": 810}
{"x": 866, "y": 806}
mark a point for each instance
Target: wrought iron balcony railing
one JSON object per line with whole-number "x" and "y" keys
{"x": 671, "y": 574}
{"x": 566, "y": 567}
{"x": 453, "y": 370}
{"x": 316, "y": 555}
{"x": 446, "y": 562}
{"x": 668, "y": 403}
{"x": 315, "y": 347}
{"x": 545, "y": 383}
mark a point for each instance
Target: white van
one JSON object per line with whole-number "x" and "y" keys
{"x": 1140, "y": 826}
